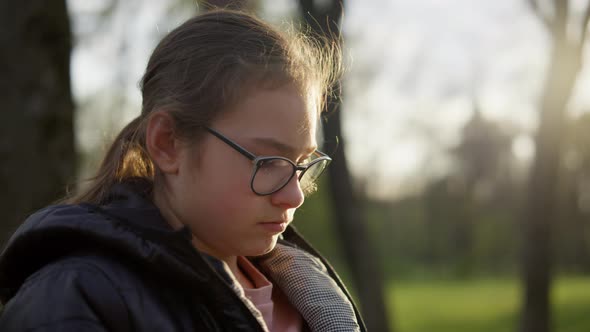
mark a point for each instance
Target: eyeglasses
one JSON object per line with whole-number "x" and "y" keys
{"x": 272, "y": 173}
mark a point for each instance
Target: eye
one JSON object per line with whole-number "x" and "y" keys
{"x": 305, "y": 160}
{"x": 273, "y": 163}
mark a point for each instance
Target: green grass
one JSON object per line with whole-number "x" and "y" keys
{"x": 482, "y": 305}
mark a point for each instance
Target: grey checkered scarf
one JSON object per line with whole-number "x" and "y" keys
{"x": 305, "y": 281}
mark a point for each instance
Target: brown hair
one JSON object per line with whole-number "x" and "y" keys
{"x": 203, "y": 67}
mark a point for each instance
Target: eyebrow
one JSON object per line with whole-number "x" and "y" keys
{"x": 286, "y": 149}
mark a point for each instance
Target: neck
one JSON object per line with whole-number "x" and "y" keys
{"x": 241, "y": 276}
{"x": 163, "y": 204}
{"x": 231, "y": 261}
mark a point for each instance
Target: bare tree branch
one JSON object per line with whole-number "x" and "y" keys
{"x": 560, "y": 17}
{"x": 332, "y": 15}
{"x": 227, "y": 4}
{"x": 584, "y": 27}
{"x": 335, "y": 11}
{"x": 548, "y": 22}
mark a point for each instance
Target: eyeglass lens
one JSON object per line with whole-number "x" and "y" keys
{"x": 273, "y": 174}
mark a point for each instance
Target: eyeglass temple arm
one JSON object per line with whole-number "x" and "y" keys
{"x": 231, "y": 143}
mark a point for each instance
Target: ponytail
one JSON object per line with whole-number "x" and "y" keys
{"x": 126, "y": 158}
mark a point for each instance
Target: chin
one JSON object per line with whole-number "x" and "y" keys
{"x": 264, "y": 249}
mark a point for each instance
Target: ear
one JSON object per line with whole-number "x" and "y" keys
{"x": 161, "y": 143}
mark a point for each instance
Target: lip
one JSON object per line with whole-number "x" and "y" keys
{"x": 274, "y": 226}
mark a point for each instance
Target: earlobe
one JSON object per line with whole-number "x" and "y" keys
{"x": 161, "y": 143}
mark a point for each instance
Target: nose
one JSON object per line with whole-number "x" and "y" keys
{"x": 290, "y": 196}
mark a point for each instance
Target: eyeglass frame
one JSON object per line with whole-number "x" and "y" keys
{"x": 256, "y": 160}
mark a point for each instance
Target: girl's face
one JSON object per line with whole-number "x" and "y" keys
{"x": 211, "y": 192}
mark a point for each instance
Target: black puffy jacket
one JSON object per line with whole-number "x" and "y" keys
{"x": 120, "y": 267}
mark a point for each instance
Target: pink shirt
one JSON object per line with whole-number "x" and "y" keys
{"x": 279, "y": 315}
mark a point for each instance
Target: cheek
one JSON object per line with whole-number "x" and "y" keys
{"x": 216, "y": 190}
{"x": 215, "y": 208}
{"x": 223, "y": 187}
{"x": 227, "y": 178}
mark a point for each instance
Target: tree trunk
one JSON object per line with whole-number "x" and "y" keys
{"x": 540, "y": 211}
{"x": 351, "y": 225}
{"x": 349, "y": 215}
{"x": 36, "y": 132}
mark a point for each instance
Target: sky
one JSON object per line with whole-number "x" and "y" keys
{"x": 433, "y": 61}
{"x": 415, "y": 70}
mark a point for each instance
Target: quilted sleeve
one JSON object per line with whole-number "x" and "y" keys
{"x": 71, "y": 295}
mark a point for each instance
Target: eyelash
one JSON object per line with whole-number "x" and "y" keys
{"x": 305, "y": 160}
{"x": 310, "y": 190}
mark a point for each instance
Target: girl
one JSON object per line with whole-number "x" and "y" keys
{"x": 186, "y": 226}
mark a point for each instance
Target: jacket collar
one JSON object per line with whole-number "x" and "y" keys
{"x": 127, "y": 226}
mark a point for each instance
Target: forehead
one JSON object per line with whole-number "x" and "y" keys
{"x": 281, "y": 114}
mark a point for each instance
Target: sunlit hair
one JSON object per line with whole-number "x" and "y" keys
{"x": 202, "y": 68}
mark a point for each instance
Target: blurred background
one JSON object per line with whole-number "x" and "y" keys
{"x": 459, "y": 195}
